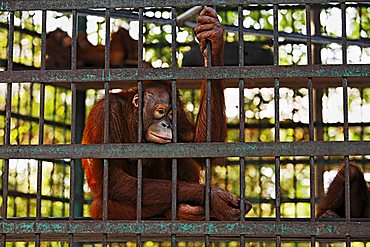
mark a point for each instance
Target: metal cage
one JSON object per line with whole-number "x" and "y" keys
{"x": 315, "y": 152}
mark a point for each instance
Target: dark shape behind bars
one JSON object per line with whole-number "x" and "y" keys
{"x": 333, "y": 204}
{"x": 254, "y": 54}
{"x": 123, "y": 51}
{"x": 157, "y": 112}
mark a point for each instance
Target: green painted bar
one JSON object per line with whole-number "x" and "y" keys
{"x": 187, "y": 73}
{"x": 185, "y": 150}
{"x": 165, "y": 228}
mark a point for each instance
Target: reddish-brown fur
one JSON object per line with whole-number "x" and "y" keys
{"x": 333, "y": 204}
{"x": 122, "y": 182}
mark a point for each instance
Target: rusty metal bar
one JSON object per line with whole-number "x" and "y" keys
{"x": 41, "y": 119}
{"x": 277, "y": 115}
{"x": 5, "y": 173}
{"x": 345, "y": 114}
{"x": 106, "y": 117}
{"x": 241, "y": 121}
{"x": 241, "y": 118}
{"x": 344, "y": 32}
{"x": 208, "y": 174}
{"x": 276, "y": 33}
{"x": 55, "y": 4}
{"x": 185, "y": 150}
{"x": 208, "y": 139}
{"x": 106, "y": 122}
{"x": 309, "y": 34}
{"x": 174, "y": 122}
{"x": 71, "y": 241}
{"x": 107, "y": 40}
{"x": 73, "y": 121}
{"x": 187, "y": 73}
{"x": 348, "y": 241}
{"x": 38, "y": 240}
{"x": 347, "y": 193}
{"x": 313, "y": 241}
{"x": 278, "y": 240}
{"x": 138, "y": 240}
{"x": 311, "y": 128}
{"x": 252, "y": 228}
{"x": 174, "y": 19}
{"x": 73, "y": 126}
{"x": 140, "y": 126}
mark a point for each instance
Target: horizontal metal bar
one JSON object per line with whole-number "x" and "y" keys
{"x": 268, "y": 228}
{"x": 56, "y": 4}
{"x": 185, "y": 150}
{"x": 186, "y": 73}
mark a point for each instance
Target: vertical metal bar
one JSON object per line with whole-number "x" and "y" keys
{"x": 70, "y": 240}
{"x": 138, "y": 240}
{"x": 80, "y": 111}
{"x": 319, "y": 134}
{"x": 345, "y": 114}
{"x": 41, "y": 123}
{"x": 38, "y": 241}
{"x": 174, "y": 124}
{"x": 346, "y": 158}
{"x": 276, "y": 33}
{"x": 140, "y": 124}
{"x": 362, "y": 135}
{"x": 7, "y": 121}
{"x": 3, "y": 240}
{"x": 107, "y": 43}
{"x": 208, "y": 136}
{"x": 348, "y": 241}
{"x": 344, "y": 32}
{"x": 106, "y": 121}
{"x": 78, "y": 170}
{"x": 41, "y": 118}
{"x": 277, "y": 111}
{"x": 73, "y": 122}
{"x": 241, "y": 117}
{"x": 174, "y": 121}
{"x": 310, "y": 113}
{"x": 277, "y": 139}
{"x": 208, "y": 139}
{"x": 174, "y": 37}
{"x": 278, "y": 240}
{"x": 73, "y": 111}
{"x": 313, "y": 241}
{"x": 51, "y": 187}
{"x": 29, "y": 142}
{"x": 308, "y": 31}
{"x": 141, "y": 45}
